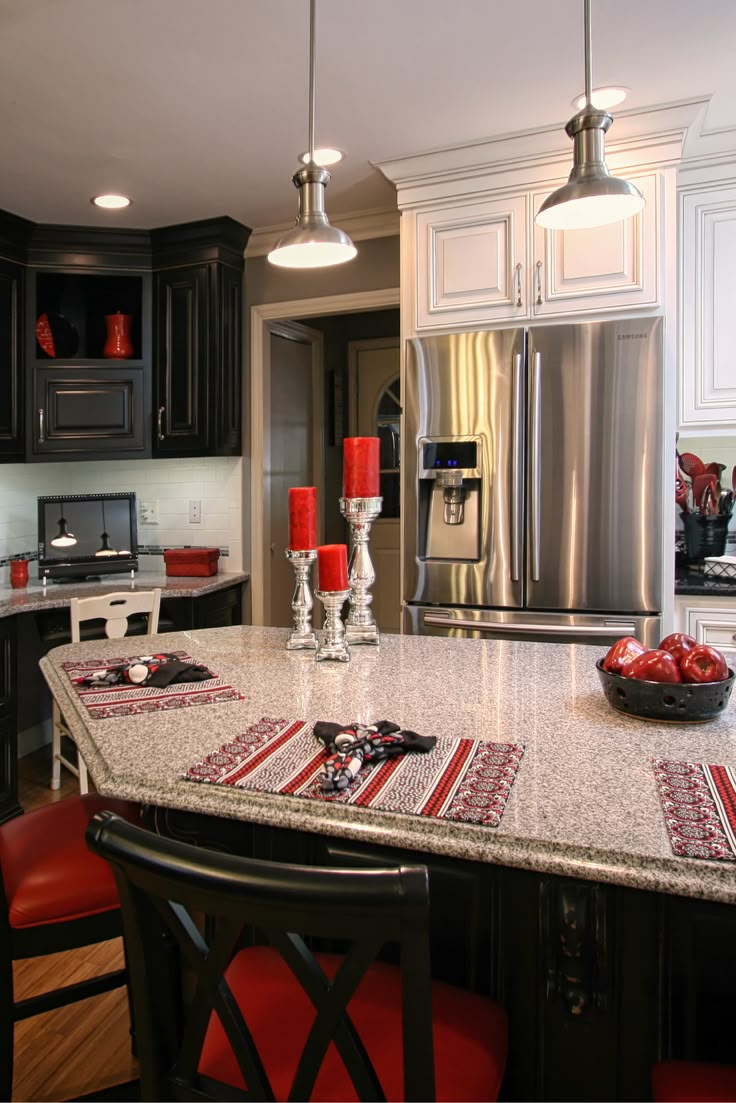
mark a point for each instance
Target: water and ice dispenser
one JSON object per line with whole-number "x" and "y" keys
{"x": 449, "y": 492}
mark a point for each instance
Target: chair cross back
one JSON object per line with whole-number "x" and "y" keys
{"x": 115, "y": 609}
{"x": 164, "y": 884}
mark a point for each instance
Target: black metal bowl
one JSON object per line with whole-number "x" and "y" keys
{"x": 681, "y": 702}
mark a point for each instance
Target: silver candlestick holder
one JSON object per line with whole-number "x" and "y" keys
{"x": 360, "y": 513}
{"x": 302, "y": 636}
{"x": 333, "y": 644}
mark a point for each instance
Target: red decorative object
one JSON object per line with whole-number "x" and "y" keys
{"x": 302, "y": 518}
{"x": 118, "y": 345}
{"x": 191, "y": 562}
{"x": 361, "y": 467}
{"x": 332, "y": 563}
{"x": 18, "y": 573}
{"x": 44, "y": 336}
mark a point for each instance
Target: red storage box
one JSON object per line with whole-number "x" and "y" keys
{"x": 191, "y": 562}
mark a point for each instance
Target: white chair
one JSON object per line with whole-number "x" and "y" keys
{"x": 114, "y": 609}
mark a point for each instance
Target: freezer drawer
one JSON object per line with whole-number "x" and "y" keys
{"x": 534, "y": 626}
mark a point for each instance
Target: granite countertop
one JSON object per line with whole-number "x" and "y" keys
{"x": 696, "y": 583}
{"x": 584, "y": 803}
{"x": 58, "y": 595}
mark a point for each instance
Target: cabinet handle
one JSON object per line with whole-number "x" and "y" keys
{"x": 517, "y": 273}
{"x": 539, "y": 283}
{"x": 41, "y": 437}
{"x": 160, "y": 422}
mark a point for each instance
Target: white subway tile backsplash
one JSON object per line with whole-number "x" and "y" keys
{"x": 217, "y": 481}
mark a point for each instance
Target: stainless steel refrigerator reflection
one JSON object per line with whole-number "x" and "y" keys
{"x": 532, "y": 482}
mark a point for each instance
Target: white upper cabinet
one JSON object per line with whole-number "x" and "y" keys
{"x": 707, "y": 337}
{"x": 485, "y": 262}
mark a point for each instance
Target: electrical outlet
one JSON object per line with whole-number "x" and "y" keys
{"x": 149, "y": 513}
{"x": 195, "y": 511}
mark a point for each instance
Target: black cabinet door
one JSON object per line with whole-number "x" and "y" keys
{"x": 8, "y": 721}
{"x": 11, "y": 388}
{"x": 228, "y": 361}
{"x": 182, "y": 413}
{"x": 92, "y": 412}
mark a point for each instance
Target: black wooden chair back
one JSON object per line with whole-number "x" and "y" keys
{"x": 170, "y": 892}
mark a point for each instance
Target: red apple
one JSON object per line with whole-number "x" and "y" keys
{"x": 653, "y": 666}
{"x": 622, "y": 652}
{"x": 703, "y": 664}
{"x": 678, "y": 644}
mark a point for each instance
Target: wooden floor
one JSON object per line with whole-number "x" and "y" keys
{"x": 84, "y": 1048}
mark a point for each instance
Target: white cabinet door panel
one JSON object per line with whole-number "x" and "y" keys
{"x": 708, "y": 333}
{"x": 609, "y": 267}
{"x": 470, "y": 263}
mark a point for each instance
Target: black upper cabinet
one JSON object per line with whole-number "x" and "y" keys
{"x": 83, "y": 401}
{"x": 14, "y": 235}
{"x": 176, "y": 388}
{"x": 198, "y": 294}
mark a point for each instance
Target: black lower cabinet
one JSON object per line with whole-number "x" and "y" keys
{"x": 8, "y": 721}
{"x": 599, "y": 981}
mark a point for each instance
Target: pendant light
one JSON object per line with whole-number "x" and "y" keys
{"x": 312, "y": 242}
{"x": 105, "y": 549}
{"x": 591, "y": 196}
{"x": 64, "y": 538}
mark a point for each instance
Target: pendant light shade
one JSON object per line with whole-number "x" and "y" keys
{"x": 312, "y": 242}
{"x": 63, "y": 538}
{"x": 591, "y": 196}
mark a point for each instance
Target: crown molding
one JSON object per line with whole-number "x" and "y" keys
{"x": 359, "y": 225}
{"x": 653, "y": 135}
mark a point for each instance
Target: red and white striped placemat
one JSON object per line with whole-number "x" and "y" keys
{"x": 130, "y": 700}
{"x": 699, "y": 805}
{"x": 459, "y": 779}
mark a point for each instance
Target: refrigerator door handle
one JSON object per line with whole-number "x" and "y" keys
{"x": 517, "y": 468}
{"x": 535, "y": 410}
{"x": 592, "y": 630}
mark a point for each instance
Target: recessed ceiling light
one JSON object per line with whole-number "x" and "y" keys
{"x": 323, "y": 157}
{"x": 111, "y": 202}
{"x": 602, "y": 98}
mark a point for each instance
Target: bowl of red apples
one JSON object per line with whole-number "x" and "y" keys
{"x": 681, "y": 680}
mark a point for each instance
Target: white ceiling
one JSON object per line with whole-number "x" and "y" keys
{"x": 198, "y": 108}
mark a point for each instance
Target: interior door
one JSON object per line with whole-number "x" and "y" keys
{"x": 292, "y": 453}
{"x": 375, "y": 410}
{"x": 595, "y": 442}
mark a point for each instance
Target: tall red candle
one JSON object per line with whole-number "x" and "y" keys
{"x": 360, "y": 467}
{"x": 332, "y": 564}
{"x": 302, "y": 518}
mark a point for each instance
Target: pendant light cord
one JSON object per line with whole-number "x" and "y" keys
{"x": 312, "y": 36}
{"x": 588, "y": 52}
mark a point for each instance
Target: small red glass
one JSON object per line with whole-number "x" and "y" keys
{"x": 18, "y": 573}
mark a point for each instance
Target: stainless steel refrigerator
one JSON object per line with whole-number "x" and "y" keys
{"x": 533, "y": 482}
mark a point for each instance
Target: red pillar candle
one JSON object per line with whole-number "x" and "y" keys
{"x": 332, "y": 564}
{"x": 302, "y": 518}
{"x": 360, "y": 467}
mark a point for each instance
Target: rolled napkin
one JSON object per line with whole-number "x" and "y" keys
{"x": 149, "y": 670}
{"x": 351, "y": 746}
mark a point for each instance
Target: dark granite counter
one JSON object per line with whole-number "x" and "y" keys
{"x": 689, "y": 581}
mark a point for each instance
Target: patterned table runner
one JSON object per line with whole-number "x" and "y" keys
{"x": 459, "y": 779}
{"x": 699, "y": 805}
{"x": 129, "y": 700}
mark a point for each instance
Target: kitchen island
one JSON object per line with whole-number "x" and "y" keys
{"x": 573, "y": 910}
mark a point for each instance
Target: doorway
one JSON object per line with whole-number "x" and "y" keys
{"x": 314, "y": 315}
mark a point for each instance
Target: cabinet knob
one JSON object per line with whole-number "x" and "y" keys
{"x": 160, "y": 422}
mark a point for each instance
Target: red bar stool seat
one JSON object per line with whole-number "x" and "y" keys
{"x": 57, "y": 896}
{"x": 693, "y": 1082}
